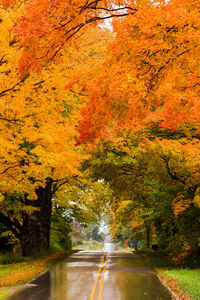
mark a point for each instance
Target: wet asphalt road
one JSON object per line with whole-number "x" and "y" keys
{"x": 92, "y": 275}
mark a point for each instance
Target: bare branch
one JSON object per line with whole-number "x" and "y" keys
{"x": 13, "y": 88}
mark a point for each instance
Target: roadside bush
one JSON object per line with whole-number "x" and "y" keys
{"x": 60, "y": 229}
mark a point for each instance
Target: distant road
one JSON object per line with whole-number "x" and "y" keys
{"x": 109, "y": 247}
{"x": 95, "y": 275}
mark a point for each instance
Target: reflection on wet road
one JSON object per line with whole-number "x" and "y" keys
{"x": 91, "y": 275}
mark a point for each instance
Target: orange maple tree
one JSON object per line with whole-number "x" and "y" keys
{"x": 46, "y": 26}
{"x": 37, "y": 124}
{"x": 154, "y": 63}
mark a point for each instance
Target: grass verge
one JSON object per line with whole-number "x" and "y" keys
{"x": 184, "y": 282}
{"x": 91, "y": 245}
{"x": 13, "y": 274}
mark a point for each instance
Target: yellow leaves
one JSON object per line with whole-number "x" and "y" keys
{"x": 181, "y": 158}
{"x": 123, "y": 205}
{"x": 5, "y": 187}
{"x": 37, "y": 116}
{"x": 197, "y": 200}
{"x": 122, "y": 210}
{"x": 28, "y": 209}
{"x": 1, "y": 198}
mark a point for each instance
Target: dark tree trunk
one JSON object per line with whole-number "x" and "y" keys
{"x": 44, "y": 215}
{"x": 35, "y": 231}
{"x": 28, "y": 236}
{"x": 148, "y": 237}
{"x": 148, "y": 234}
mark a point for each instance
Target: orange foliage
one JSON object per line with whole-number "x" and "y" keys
{"x": 8, "y": 3}
{"x": 151, "y": 73}
{"x": 136, "y": 224}
{"x": 180, "y": 204}
{"x": 46, "y": 26}
{"x": 153, "y": 60}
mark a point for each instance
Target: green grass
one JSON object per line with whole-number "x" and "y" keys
{"x": 91, "y": 245}
{"x": 10, "y": 259}
{"x": 182, "y": 281}
{"x": 188, "y": 280}
{"x": 5, "y": 294}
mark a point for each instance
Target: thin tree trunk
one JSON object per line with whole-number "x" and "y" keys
{"x": 148, "y": 237}
{"x": 148, "y": 234}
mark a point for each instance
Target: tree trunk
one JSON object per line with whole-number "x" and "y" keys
{"x": 35, "y": 231}
{"x": 28, "y": 236}
{"x": 148, "y": 234}
{"x": 148, "y": 237}
{"x": 44, "y": 215}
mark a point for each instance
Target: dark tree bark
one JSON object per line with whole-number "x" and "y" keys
{"x": 148, "y": 237}
{"x": 148, "y": 234}
{"x": 28, "y": 236}
{"x": 34, "y": 230}
{"x": 44, "y": 215}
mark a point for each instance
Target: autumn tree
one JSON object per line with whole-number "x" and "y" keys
{"x": 38, "y": 122}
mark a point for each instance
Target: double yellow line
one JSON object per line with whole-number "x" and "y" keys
{"x": 102, "y": 279}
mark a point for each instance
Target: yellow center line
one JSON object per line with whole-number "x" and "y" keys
{"x": 103, "y": 258}
{"x": 102, "y": 280}
{"x": 97, "y": 278}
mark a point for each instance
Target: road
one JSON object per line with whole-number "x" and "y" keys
{"x": 92, "y": 275}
